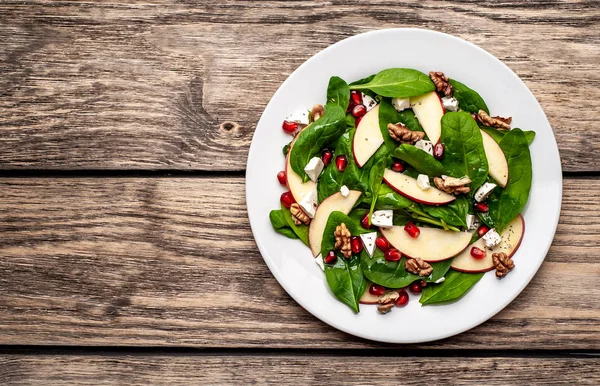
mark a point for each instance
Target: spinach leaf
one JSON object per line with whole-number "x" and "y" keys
{"x": 398, "y": 82}
{"x": 338, "y": 92}
{"x": 325, "y": 131}
{"x": 455, "y": 286}
{"x": 391, "y": 274}
{"x": 409, "y": 119}
{"x": 363, "y": 80}
{"x": 280, "y": 224}
{"x": 387, "y": 114}
{"x": 505, "y": 204}
{"x": 468, "y": 99}
{"x": 497, "y": 135}
{"x": 464, "y": 155}
{"x": 440, "y": 269}
{"x": 332, "y": 179}
{"x": 286, "y": 148}
{"x": 301, "y": 231}
{"x": 455, "y": 213}
{"x": 387, "y": 198}
{"x": 419, "y": 159}
{"x": 375, "y": 181}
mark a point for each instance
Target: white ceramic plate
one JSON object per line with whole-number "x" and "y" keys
{"x": 357, "y": 57}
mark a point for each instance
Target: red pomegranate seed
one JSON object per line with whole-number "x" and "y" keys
{"x": 412, "y": 230}
{"x": 397, "y": 166}
{"x": 356, "y": 97}
{"x": 289, "y": 127}
{"x": 376, "y": 290}
{"x": 382, "y": 243}
{"x": 364, "y": 222}
{"x": 287, "y": 199}
{"x": 392, "y": 255}
{"x": 482, "y": 230}
{"x": 326, "y": 156}
{"x": 282, "y": 177}
{"x": 402, "y": 299}
{"x": 474, "y": 117}
{"x": 340, "y": 162}
{"x": 330, "y": 258}
{"x": 356, "y": 244}
{"x": 481, "y": 207}
{"x": 438, "y": 151}
{"x": 359, "y": 110}
{"x": 477, "y": 253}
{"x": 415, "y": 287}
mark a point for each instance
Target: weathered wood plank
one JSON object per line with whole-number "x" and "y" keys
{"x": 168, "y": 262}
{"x": 294, "y": 370}
{"x": 138, "y": 85}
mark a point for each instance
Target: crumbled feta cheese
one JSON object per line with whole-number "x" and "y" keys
{"x": 424, "y": 145}
{"x": 401, "y": 103}
{"x": 345, "y": 191}
{"x": 368, "y": 102}
{"x": 423, "y": 181}
{"x": 309, "y": 204}
{"x": 450, "y": 103}
{"x": 300, "y": 115}
{"x": 491, "y": 238}
{"x": 484, "y": 191}
{"x": 314, "y": 168}
{"x": 383, "y": 218}
{"x": 438, "y": 281}
{"x": 319, "y": 261}
{"x": 368, "y": 240}
{"x": 472, "y": 222}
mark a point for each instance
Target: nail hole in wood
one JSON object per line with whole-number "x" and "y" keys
{"x": 228, "y": 125}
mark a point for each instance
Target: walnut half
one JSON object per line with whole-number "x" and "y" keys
{"x": 442, "y": 83}
{"x": 342, "y": 240}
{"x": 503, "y": 264}
{"x": 452, "y": 185}
{"x": 403, "y": 134}
{"x": 418, "y": 267}
{"x": 298, "y": 215}
{"x": 499, "y": 122}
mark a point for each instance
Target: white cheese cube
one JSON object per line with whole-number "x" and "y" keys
{"x": 319, "y": 261}
{"x": 383, "y": 218}
{"x": 300, "y": 116}
{"x": 309, "y": 204}
{"x": 484, "y": 191}
{"x": 401, "y": 103}
{"x": 491, "y": 238}
{"x": 423, "y": 181}
{"x": 368, "y": 102}
{"x": 368, "y": 240}
{"x": 345, "y": 191}
{"x": 314, "y": 168}
{"x": 472, "y": 222}
{"x": 424, "y": 145}
{"x": 450, "y": 103}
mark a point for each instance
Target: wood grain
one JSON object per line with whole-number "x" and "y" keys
{"x": 149, "y": 84}
{"x": 294, "y": 370}
{"x": 168, "y": 262}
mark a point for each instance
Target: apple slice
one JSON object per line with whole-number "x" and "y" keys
{"x": 497, "y": 164}
{"x": 433, "y": 244}
{"x": 429, "y": 110}
{"x": 408, "y": 187}
{"x": 298, "y": 188}
{"x": 511, "y": 240}
{"x": 367, "y": 138}
{"x": 335, "y": 202}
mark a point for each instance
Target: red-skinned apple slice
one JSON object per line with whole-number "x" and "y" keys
{"x": 298, "y": 188}
{"x": 367, "y": 138}
{"x": 335, "y": 202}
{"x": 433, "y": 244}
{"x": 511, "y": 240}
{"x": 429, "y": 110}
{"x": 497, "y": 164}
{"x": 407, "y": 186}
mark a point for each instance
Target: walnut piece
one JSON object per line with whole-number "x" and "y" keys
{"x": 385, "y": 308}
{"x": 298, "y": 215}
{"x": 503, "y": 264}
{"x": 452, "y": 185}
{"x": 403, "y": 134}
{"x": 499, "y": 122}
{"x": 389, "y": 297}
{"x": 418, "y": 267}
{"x": 342, "y": 240}
{"x": 441, "y": 83}
{"x": 316, "y": 112}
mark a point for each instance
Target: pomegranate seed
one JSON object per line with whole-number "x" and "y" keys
{"x": 359, "y": 110}
{"x": 482, "y": 230}
{"x": 481, "y": 207}
{"x": 287, "y": 199}
{"x": 415, "y": 287}
{"x": 397, "y": 166}
{"x": 382, "y": 243}
{"x": 356, "y": 97}
{"x": 326, "y": 156}
{"x": 474, "y": 117}
{"x": 393, "y": 255}
{"x": 477, "y": 253}
{"x": 364, "y": 222}
{"x": 282, "y": 177}
{"x": 340, "y": 162}
{"x": 412, "y": 230}
{"x": 402, "y": 299}
{"x": 356, "y": 244}
{"x": 289, "y": 127}
{"x": 438, "y": 151}
{"x": 331, "y": 257}
{"x": 376, "y": 290}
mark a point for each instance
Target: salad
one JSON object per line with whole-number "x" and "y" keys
{"x": 404, "y": 180}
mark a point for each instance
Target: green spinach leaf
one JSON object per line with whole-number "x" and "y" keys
{"x": 468, "y": 99}
{"x": 363, "y": 80}
{"x": 410, "y": 120}
{"x": 455, "y": 213}
{"x": 387, "y": 114}
{"x": 422, "y": 161}
{"x": 332, "y": 179}
{"x": 387, "y": 198}
{"x": 286, "y": 148}
{"x": 398, "y": 82}
{"x": 338, "y": 92}
{"x": 455, "y": 286}
{"x": 280, "y": 224}
{"x": 497, "y": 135}
{"x": 301, "y": 231}
{"x": 375, "y": 181}
{"x": 391, "y": 274}
{"x": 440, "y": 269}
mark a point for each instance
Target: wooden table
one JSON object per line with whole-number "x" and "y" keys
{"x": 126, "y": 255}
